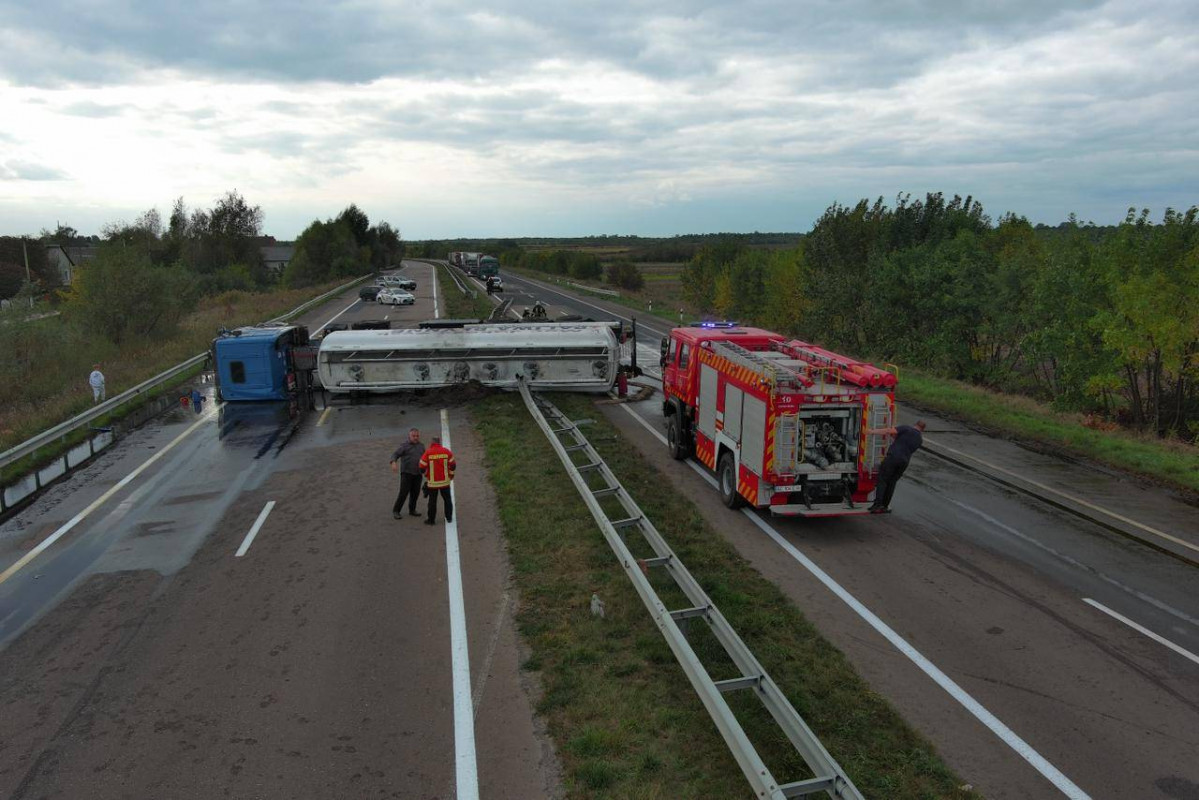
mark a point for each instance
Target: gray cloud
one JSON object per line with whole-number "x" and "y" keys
{"x": 18, "y": 170}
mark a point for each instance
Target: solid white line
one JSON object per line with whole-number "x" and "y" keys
{"x": 339, "y": 313}
{"x": 465, "y": 766}
{"x": 101, "y": 500}
{"x": 249, "y": 540}
{"x": 1141, "y": 629}
{"x": 1009, "y": 737}
{"x": 1151, "y": 600}
{"x": 1070, "y": 497}
{"x": 597, "y": 308}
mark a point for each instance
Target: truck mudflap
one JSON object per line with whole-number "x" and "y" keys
{"x": 818, "y": 510}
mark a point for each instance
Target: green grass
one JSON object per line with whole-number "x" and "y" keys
{"x": 666, "y": 300}
{"x": 1175, "y": 463}
{"x": 43, "y": 377}
{"x": 626, "y": 722}
{"x": 458, "y": 305}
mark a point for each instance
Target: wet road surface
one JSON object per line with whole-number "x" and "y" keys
{"x": 141, "y": 657}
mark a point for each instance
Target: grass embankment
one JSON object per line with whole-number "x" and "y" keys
{"x": 456, "y": 305}
{"x": 1173, "y": 462}
{"x": 43, "y": 376}
{"x": 625, "y": 720}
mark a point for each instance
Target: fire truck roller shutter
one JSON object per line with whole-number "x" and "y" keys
{"x": 732, "y": 412}
{"x": 708, "y": 380}
{"x": 753, "y": 434}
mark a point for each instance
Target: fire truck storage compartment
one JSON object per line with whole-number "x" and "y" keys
{"x": 753, "y": 434}
{"x": 708, "y": 380}
{"x": 830, "y": 439}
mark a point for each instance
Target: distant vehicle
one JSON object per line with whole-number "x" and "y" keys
{"x": 395, "y": 297}
{"x": 470, "y": 263}
{"x": 406, "y": 283}
{"x": 495, "y": 283}
{"x": 488, "y": 266}
{"x": 369, "y": 292}
{"x": 398, "y": 282}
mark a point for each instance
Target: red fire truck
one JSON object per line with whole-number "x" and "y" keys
{"x": 783, "y": 423}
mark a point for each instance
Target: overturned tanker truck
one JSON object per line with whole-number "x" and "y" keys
{"x": 277, "y": 362}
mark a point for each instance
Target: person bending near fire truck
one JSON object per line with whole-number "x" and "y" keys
{"x": 908, "y": 439}
{"x": 438, "y": 466}
{"x": 406, "y": 461}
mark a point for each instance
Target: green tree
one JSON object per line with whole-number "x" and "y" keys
{"x": 123, "y": 296}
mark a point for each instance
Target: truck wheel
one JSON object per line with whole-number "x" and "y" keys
{"x": 726, "y": 474}
{"x": 674, "y": 439}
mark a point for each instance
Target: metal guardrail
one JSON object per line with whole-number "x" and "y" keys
{"x": 61, "y": 430}
{"x": 584, "y": 287}
{"x": 829, "y": 778}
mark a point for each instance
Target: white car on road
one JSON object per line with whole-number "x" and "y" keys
{"x": 395, "y": 297}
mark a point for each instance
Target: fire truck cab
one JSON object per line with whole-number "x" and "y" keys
{"x": 783, "y": 423}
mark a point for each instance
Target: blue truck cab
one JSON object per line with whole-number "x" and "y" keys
{"x": 266, "y": 362}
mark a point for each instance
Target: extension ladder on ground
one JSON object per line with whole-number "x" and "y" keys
{"x": 595, "y": 483}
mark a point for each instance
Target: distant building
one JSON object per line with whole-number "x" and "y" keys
{"x": 67, "y": 257}
{"x": 277, "y": 255}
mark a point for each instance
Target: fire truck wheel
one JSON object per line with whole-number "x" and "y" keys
{"x": 727, "y": 475}
{"x": 678, "y": 450}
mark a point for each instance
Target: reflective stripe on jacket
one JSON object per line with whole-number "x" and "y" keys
{"x": 438, "y": 466}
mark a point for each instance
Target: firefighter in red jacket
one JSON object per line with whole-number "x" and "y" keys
{"x": 437, "y": 465}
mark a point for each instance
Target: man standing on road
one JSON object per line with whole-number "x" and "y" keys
{"x": 438, "y": 466}
{"x": 908, "y": 439}
{"x": 96, "y": 380}
{"x": 406, "y": 460}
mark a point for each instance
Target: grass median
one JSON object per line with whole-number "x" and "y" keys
{"x": 1172, "y": 462}
{"x": 626, "y": 722}
{"x": 459, "y": 305}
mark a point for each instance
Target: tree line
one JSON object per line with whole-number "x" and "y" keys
{"x": 148, "y": 274}
{"x": 1102, "y": 320}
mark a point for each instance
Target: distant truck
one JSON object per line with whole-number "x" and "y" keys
{"x": 489, "y": 267}
{"x": 470, "y": 263}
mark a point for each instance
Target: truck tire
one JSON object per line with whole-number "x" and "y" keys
{"x": 674, "y": 439}
{"x": 726, "y": 479}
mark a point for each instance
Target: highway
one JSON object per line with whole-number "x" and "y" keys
{"x": 1043, "y": 654}
{"x": 232, "y": 611}
{"x": 244, "y": 617}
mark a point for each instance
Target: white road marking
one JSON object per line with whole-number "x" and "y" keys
{"x": 1141, "y": 629}
{"x": 465, "y": 766}
{"x": 1071, "y": 498}
{"x": 1024, "y": 537}
{"x": 324, "y": 416}
{"x": 339, "y": 313}
{"x": 590, "y": 305}
{"x": 249, "y": 540}
{"x": 1009, "y": 737}
{"x": 101, "y": 500}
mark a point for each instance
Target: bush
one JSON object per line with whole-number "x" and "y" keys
{"x": 626, "y": 275}
{"x": 121, "y": 295}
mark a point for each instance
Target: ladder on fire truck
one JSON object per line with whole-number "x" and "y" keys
{"x": 778, "y": 375}
{"x": 617, "y": 515}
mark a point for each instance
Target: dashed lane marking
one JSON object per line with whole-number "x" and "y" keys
{"x": 249, "y": 540}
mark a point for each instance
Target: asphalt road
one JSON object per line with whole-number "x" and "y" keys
{"x": 1041, "y": 653}
{"x": 160, "y": 650}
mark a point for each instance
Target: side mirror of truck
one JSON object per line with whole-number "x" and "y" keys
{"x": 665, "y": 350}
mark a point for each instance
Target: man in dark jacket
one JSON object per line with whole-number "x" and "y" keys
{"x": 406, "y": 461}
{"x": 908, "y": 439}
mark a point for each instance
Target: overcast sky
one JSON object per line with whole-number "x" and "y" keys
{"x": 627, "y": 116}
